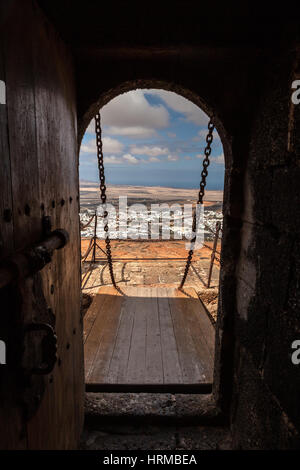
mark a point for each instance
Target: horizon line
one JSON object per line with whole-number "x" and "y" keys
{"x": 147, "y": 186}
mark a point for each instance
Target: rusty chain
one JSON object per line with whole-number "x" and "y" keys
{"x": 210, "y": 248}
{"x": 204, "y": 173}
{"x": 103, "y": 195}
{"x": 82, "y": 226}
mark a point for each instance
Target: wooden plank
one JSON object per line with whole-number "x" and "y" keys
{"x": 57, "y": 162}
{"x": 92, "y": 315}
{"x": 103, "y": 302}
{"x": 41, "y": 108}
{"x": 192, "y": 371}
{"x": 152, "y": 337}
{"x": 202, "y": 319}
{"x": 119, "y": 361}
{"x": 208, "y": 329}
{"x": 154, "y": 365}
{"x": 193, "y": 310}
{"x": 6, "y": 209}
{"x": 21, "y": 122}
{"x": 11, "y": 410}
{"x": 107, "y": 338}
{"x": 170, "y": 358}
{"x": 136, "y": 369}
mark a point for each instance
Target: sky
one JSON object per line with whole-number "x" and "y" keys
{"x": 152, "y": 138}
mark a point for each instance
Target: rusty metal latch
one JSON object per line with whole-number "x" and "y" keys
{"x": 28, "y": 262}
{"x": 28, "y": 319}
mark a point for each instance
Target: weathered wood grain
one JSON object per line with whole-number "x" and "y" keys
{"x": 41, "y": 107}
{"x": 170, "y": 358}
{"x": 10, "y": 411}
{"x": 6, "y": 225}
{"x": 150, "y": 336}
{"x": 200, "y": 330}
{"x": 21, "y": 124}
{"x": 190, "y": 366}
{"x": 106, "y": 339}
{"x": 119, "y": 362}
{"x": 154, "y": 363}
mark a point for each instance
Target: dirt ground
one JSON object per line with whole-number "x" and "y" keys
{"x": 90, "y": 190}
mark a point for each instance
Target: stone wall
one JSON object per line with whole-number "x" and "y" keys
{"x": 258, "y": 319}
{"x": 265, "y": 405}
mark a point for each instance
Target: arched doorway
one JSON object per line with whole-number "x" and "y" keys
{"x": 93, "y": 361}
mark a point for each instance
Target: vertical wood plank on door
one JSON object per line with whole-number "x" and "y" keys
{"x": 58, "y": 172}
{"x": 6, "y": 225}
{"x": 48, "y": 121}
{"x": 18, "y": 72}
{"x": 41, "y": 106}
{"x": 21, "y": 122}
{"x": 10, "y": 412}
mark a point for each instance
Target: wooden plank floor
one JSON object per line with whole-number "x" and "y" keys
{"x": 151, "y": 335}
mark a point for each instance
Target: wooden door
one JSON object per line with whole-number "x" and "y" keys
{"x": 39, "y": 177}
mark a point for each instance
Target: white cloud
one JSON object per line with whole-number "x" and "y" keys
{"x": 180, "y": 104}
{"x": 91, "y": 127}
{"x": 136, "y": 131}
{"x": 153, "y": 159}
{"x": 172, "y": 158}
{"x": 131, "y": 159}
{"x": 219, "y": 159}
{"x": 201, "y": 136}
{"x": 88, "y": 147}
{"x": 151, "y": 151}
{"x": 124, "y": 159}
{"x": 202, "y": 133}
{"x": 131, "y": 114}
{"x": 112, "y": 159}
{"x": 112, "y": 145}
{"x": 109, "y": 146}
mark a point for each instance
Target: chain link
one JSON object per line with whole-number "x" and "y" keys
{"x": 204, "y": 173}
{"x": 103, "y": 195}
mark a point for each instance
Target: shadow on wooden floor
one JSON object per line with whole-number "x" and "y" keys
{"x": 150, "y": 338}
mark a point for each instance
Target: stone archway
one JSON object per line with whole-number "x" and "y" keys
{"x": 224, "y": 347}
